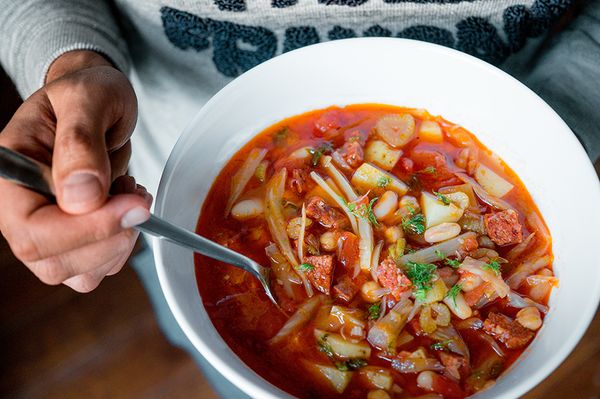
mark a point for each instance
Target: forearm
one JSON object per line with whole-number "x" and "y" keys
{"x": 34, "y": 33}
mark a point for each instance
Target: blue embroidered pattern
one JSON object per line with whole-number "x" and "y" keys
{"x": 186, "y": 30}
{"x": 237, "y": 48}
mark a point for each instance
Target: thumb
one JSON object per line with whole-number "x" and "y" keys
{"x": 80, "y": 166}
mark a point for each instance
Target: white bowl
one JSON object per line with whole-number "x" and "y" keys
{"x": 505, "y": 115}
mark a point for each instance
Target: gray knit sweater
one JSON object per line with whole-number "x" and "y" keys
{"x": 180, "y": 52}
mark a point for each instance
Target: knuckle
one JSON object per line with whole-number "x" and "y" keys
{"x": 78, "y": 138}
{"x": 25, "y": 249}
{"x": 51, "y": 271}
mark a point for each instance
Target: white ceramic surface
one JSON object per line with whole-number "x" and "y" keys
{"x": 505, "y": 115}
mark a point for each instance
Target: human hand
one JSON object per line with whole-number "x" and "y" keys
{"x": 79, "y": 124}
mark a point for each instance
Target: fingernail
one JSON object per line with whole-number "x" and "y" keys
{"x": 81, "y": 187}
{"x": 134, "y": 216}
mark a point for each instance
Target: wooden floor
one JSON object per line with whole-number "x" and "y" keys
{"x": 55, "y": 343}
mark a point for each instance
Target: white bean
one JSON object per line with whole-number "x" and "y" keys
{"x": 469, "y": 281}
{"x": 459, "y": 306}
{"x": 459, "y": 199}
{"x": 294, "y": 226}
{"x": 529, "y": 318}
{"x": 368, "y": 291}
{"x": 386, "y": 205}
{"x": 393, "y": 234}
{"x": 329, "y": 241}
{"x": 441, "y": 232}
{"x": 378, "y": 394}
{"x": 247, "y": 209}
{"x": 425, "y": 380}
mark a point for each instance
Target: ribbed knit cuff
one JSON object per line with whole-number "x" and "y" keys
{"x": 38, "y": 32}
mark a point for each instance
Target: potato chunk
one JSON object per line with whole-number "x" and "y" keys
{"x": 492, "y": 182}
{"x": 338, "y": 379}
{"x": 370, "y": 178}
{"x": 430, "y": 131}
{"x": 437, "y": 212}
{"x": 382, "y": 155}
{"x": 342, "y": 348}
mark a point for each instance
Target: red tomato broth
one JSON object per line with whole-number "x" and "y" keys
{"x": 241, "y": 312}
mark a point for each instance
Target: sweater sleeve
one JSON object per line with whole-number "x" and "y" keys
{"x": 33, "y": 33}
{"x": 567, "y": 76}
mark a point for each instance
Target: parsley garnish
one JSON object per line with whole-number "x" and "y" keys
{"x": 325, "y": 347}
{"x": 384, "y": 181}
{"x": 374, "y": 311}
{"x": 414, "y": 224}
{"x": 281, "y": 136}
{"x": 493, "y": 266}
{"x": 363, "y": 211}
{"x": 442, "y": 198}
{"x": 396, "y": 250}
{"x": 430, "y": 170}
{"x": 420, "y": 274}
{"x": 441, "y": 345}
{"x": 453, "y": 292}
{"x": 319, "y": 151}
{"x": 351, "y": 364}
{"x": 305, "y": 267}
{"x": 454, "y": 263}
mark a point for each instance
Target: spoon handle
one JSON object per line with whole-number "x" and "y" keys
{"x": 36, "y": 176}
{"x": 161, "y": 228}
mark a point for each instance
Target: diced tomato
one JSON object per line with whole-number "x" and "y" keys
{"x": 432, "y": 169}
{"x": 355, "y": 135}
{"x": 348, "y": 252}
{"x": 353, "y": 153}
{"x": 330, "y": 120}
{"x": 447, "y": 388}
{"x": 406, "y": 165}
{"x": 474, "y": 296}
{"x": 345, "y": 289}
{"x": 327, "y": 216}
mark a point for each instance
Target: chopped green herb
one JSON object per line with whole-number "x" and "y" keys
{"x": 420, "y": 274}
{"x": 396, "y": 250}
{"x": 453, "y": 292}
{"x": 441, "y": 345}
{"x": 305, "y": 267}
{"x": 363, "y": 211}
{"x": 449, "y": 262}
{"x": 384, "y": 181}
{"x": 430, "y": 170}
{"x": 325, "y": 347}
{"x": 351, "y": 364}
{"x": 374, "y": 311}
{"x": 493, "y": 266}
{"x": 318, "y": 152}
{"x": 261, "y": 171}
{"x": 411, "y": 251}
{"x": 442, "y": 198}
{"x": 414, "y": 224}
{"x": 281, "y": 136}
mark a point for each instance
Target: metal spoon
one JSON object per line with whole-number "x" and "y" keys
{"x": 36, "y": 176}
